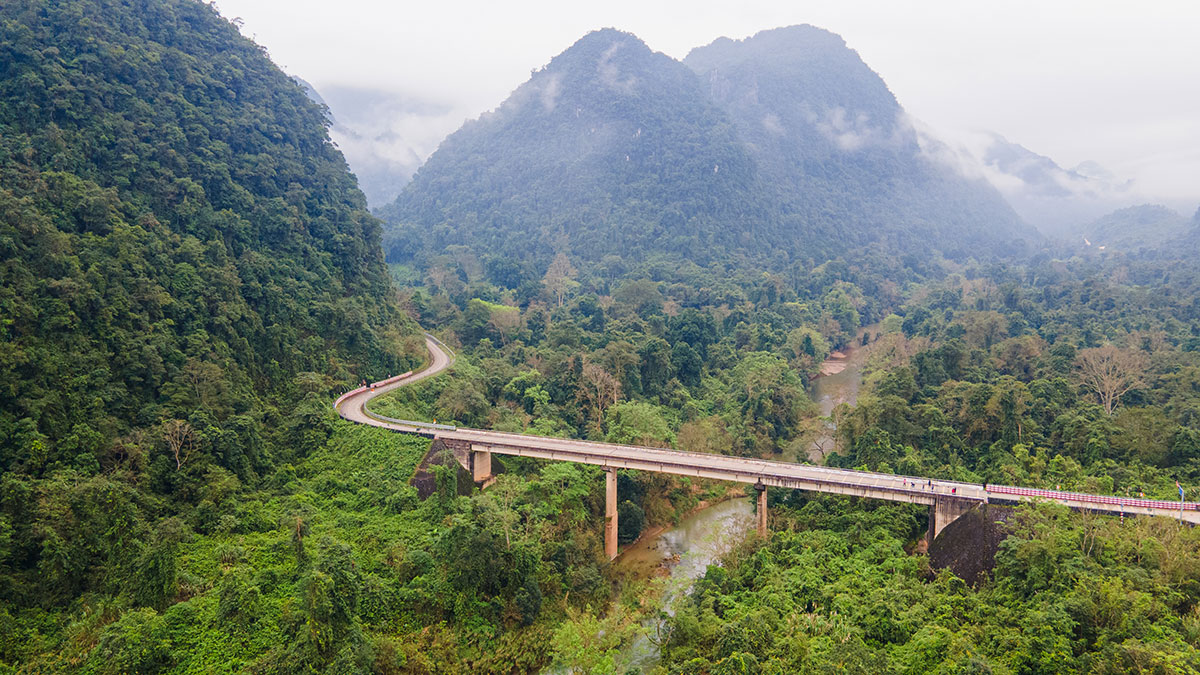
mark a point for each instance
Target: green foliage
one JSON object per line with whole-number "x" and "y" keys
{"x": 1069, "y": 594}
{"x": 188, "y": 269}
{"x": 189, "y": 275}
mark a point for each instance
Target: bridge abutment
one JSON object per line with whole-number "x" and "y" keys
{"x": 946, "y": 510}
{"x": 610, "y": 513}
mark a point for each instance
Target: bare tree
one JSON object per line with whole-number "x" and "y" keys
{"x": 598, "y": 390}
{"x": 1110, "y": 372}
{"x": 559, "y": 277}
{"x": 506, "y": 321}
{"x": 181, "y": 440}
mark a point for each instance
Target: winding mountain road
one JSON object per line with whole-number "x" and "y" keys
{"x": 353, "y": 405}
{"x": 948, "y": 499}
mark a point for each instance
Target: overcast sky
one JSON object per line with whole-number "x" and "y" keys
{"x": 1117, "y": 82}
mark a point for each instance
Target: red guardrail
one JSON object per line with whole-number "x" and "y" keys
{"x": 1096, "y": 499}
{"x": 338, "y": 403}
{"x": 394, "y": 378}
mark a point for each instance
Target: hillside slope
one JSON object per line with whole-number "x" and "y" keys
{"x": 837, "y": 152}
{"x": 183, "y": 259}
{"x": 1147, "y": 226}
{"x": 611, "y": 147}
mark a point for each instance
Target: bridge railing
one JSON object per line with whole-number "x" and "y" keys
{"x": 1093, "y": 499}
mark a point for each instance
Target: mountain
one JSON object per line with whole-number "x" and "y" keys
{"x": 1145, "y": 226}
{"x": 1057, "y": 200}
{"x": 181, "y": 244}
{"x": 837, "y": 153}
{"x": 611, "y": 147}
{"x": 784, "y": 146}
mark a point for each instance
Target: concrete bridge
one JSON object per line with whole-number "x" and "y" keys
{"x": 947, "y": 499}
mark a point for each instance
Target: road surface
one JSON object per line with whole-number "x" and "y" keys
{"x": 911, "y": 489}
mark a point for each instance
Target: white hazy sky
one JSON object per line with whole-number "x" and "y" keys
{"x": 1117, "y": 82}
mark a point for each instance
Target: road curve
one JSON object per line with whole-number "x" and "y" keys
{"x": 912, "y": 489}
{"x": 353, "y": 405}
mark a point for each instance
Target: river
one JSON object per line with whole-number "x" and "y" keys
{"x": 685, "y": 551}
{"x": 705, "y": 536}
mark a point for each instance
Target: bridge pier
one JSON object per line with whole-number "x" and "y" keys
{"x": 946, "y": 510}
{"x": 481, "y": 463}
{"x": 610, "y": 513}
{"x": 761, "y": 516}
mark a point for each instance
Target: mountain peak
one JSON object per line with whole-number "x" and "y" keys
{"x": 782, "y": 143}
{"x": 797, "y": 39}
{"x": 612, "y": 140}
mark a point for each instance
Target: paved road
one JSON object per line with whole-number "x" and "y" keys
{"x": 912, "y": 489}
{"x": 352, "y": 405}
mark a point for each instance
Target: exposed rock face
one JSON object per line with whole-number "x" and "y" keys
{"x": 968, "y": 545}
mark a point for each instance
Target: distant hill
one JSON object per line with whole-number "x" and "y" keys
{"x": 784, "y": 146}
{"x": 1146, "y": 226}
{"x": 180, "y": 242}
{"x": 1056, "y": 200}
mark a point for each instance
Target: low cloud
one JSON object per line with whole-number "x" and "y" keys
{"x": 772, "y": 124}
{"x": 610, "y": 74}
{"x": 549, "y": 92}
{"x": 386, "y": 136}
{"x": 853, "y": 131}
{"x": 1044, "y": 194}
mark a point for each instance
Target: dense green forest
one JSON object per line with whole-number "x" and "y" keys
{"x": 189, "y": 277}
{"x": 187, "y": 273}
{"x": 976, "y": 374}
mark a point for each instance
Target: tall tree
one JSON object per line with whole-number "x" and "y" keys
{"x": 1110, "y": 372}
{"x": 559, "y": 278}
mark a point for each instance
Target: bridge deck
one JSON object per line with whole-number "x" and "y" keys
{"x": 911, "y": 489}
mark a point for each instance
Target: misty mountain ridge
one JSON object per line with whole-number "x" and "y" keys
{"x": 1058, "y": 201}
{"x": 784, "y": 144}
{"x": 611, "y": 146}
{"x": 1145, "y": 226}
{"x": 833, "y": 143}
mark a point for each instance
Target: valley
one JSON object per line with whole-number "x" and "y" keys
{"x": 668, "y": 364}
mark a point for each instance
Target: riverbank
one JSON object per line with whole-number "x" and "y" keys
{"x": 640, "y": 560}
{"x": 669, "y": 562}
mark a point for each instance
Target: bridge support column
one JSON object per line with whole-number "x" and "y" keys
{"x": 481, "y": 463}
{"x": 762, "y": 509}
{"x": 944, "y": 511}
{"x": 610, "y": 513}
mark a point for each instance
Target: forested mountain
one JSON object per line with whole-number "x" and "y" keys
{"x": 1146, "y": 226}
{"x": 783, "y": 147}
{"x": 837, "y": 154}
{"x": 609, "y": 149}
{"x": 184, "y": 258}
